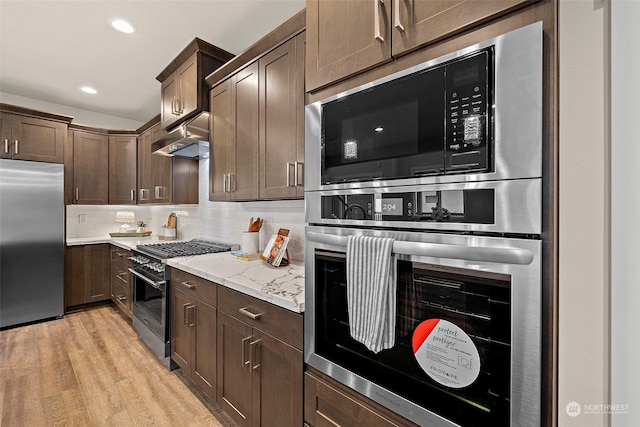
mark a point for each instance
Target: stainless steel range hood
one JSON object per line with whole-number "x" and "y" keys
{"x": 190, "y": 140}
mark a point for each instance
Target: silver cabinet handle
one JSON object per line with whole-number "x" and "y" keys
{"x": 192, "y": 320}
{"x": 6, "y": 146}
{"x": 180, "y": 106}
{"x": 245, "y": 312}
{"x": 188, "y": 285}
{"x": 185, "y": 315}
{"x": 133, "y": 194}
{"x": 121, "y": 298}
{"x": 224, "y": 182}
{"x": 77, "y": 194}
{"x": 254, "y": 354}
{"x": 245, "y": 360}
{"x": 376, "y": 20}
{"x": 159, "y": 192}
{"x": 232, "y": 183}
{"x": 298, "y": 177}
{"x": 396, "y": 17}
{"x": 142, "y": 193}
{"x": 16, "y": 146}
{"x": 288, "y": 174}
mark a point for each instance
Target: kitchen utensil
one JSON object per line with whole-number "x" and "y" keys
{"x": 255, "y": 226}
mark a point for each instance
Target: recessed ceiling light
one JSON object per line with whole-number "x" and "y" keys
{"x": 122, "y": 26}
{"x": 88, "y": 89}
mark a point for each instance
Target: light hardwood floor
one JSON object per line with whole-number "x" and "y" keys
{"x": 90, "y": 369}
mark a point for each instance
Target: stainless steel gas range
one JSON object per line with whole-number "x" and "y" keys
{"x": 151, "y": 289}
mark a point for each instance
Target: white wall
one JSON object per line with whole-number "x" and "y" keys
{"x": 583, "y": 357}
{"x": 83, "y": 117}
{"x": 625, "y": 212}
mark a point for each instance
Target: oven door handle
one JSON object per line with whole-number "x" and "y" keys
{"x": 441, "y": 250}
{"x": 156, "y": 285}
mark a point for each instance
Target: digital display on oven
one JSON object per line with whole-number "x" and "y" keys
{"x": 392, "y": 206}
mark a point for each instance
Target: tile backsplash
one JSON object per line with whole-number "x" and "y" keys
{"x": 219, "y": 221}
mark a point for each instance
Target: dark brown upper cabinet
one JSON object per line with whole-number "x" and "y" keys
{"x": 122, "y": 169}
{"x": 26, "y": 137}
{"x": 345, "y": 38}
{"x": 256, "y": 119}
{"x": 233, "y": 124}
{"x": 154, "y": 170}
{"x": 164, "y": 179}
{"x": 281, "y": 74}
{"x": 90, "y": 168}
{"x": 183, "y": 92}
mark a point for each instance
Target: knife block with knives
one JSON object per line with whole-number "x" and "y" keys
{"x": 170, "y": 231}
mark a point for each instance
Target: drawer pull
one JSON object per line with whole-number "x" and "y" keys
{"x": 254, "y": 316}
{"x": 121, "y": 298}
{"x": 188, "y": 285}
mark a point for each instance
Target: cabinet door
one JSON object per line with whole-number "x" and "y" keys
{"x": 234, "y": 381}
{"x": 277, "y": 382}
{"x": 169, "y": 101}
{"x": 37, "y": 139}
{"x": 122, "y": 170}
{"x": 180, "y": 329}
{"x": 203, "y": 350}
{"x": 187, "y": 75}
{"x": 96, "y": 273}
{"x": 245, "y": 112}
{"x": 420, "y": 22}
{"x": 346, "y": 37}
{"x": 73, "y": 276}
{"x": 185, "y": 181}
{"x": 161, "y": 171}
{"x": 221, "y": 140}
{"x": 144, "y": 167}
{"x": 279, "y": 104}
{"x": 5, "y": 131}
{"x": 90, "y": 168}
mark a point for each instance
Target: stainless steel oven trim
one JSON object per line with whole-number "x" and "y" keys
{"x": 517, "y": 114}
{"x": 517, "y": 207}
{"x": 525, "y": 314}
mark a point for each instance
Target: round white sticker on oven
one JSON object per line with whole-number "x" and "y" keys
{"x": 446, "y": 353}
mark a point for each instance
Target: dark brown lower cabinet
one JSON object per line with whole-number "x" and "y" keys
{"x": 259, "y": 375}
{"x": 194, "y": 328}
{"x": 329, "y": 403}
{"x": 87, "y": 275}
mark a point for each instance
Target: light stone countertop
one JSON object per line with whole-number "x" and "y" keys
{"x": 281, "y": 286}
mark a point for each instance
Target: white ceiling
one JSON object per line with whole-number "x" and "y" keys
{"x": 49, "y": 49}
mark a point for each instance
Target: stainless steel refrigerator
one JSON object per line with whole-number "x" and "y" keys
{"x": 31, "y": 241}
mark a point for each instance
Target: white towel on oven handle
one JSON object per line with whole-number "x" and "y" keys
{"x": 371, "y": 291}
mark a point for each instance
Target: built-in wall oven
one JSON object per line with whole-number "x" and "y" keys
{"x": 445, "y": 160}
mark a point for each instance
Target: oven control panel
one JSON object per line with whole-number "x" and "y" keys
{"x": 474, "y": 206}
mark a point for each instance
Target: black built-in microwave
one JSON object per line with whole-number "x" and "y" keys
{"x": 433, "y": 122}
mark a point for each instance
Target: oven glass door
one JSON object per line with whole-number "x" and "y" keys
{"x": 149, "y": 305}
{"x": 469, "y": 389}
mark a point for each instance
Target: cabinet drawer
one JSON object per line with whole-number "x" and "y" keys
{"x": 120, "y": 254}
{"x": 194, "y": 286}
{"x": 122, "y": 297}
{"x": 271, "y": 319}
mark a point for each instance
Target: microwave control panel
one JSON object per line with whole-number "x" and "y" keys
{"x": 467, "y": 103}
{"x": 474, "y": 206}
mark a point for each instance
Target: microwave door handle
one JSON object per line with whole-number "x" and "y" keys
{"x": 441, "y": 250}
